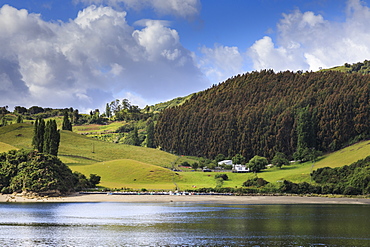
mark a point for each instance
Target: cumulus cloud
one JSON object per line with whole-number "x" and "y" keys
{"x": 306, "y": 41}
{"x": 88, "y": 61}
{"x": 187, "y": 9}
{"x": 221, "y": 62}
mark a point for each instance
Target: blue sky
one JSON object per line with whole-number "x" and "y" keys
{"x": 85, "y": 53}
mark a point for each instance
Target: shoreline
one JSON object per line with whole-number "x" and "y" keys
{"x": 202, "y": 199}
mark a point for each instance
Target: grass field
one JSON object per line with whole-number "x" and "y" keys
{"x": 4, "y": 147}
{"x": 98, "y": 129}
{"x": 125, "y": 166}
{"x": 130, "y": 174}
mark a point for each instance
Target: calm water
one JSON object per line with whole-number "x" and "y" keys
{"x": 185, "y": 224}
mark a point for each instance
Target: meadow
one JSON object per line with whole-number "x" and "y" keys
{"x": 126, "y": 166}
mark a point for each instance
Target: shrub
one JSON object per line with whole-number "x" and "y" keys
{"x": 222, "y": 176}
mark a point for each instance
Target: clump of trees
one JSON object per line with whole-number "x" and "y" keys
{"x": 46, "y": 137}
{"x": 349, "y": 180}
{"x": 34, "y": 171}
{"x": 84, "y": 183}
{"x": 256, "y": 182}
{"x": 24, "y": 170}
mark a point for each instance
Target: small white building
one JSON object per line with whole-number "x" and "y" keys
{"x": 225, "y": 162}
{"x": 240, "y": 168}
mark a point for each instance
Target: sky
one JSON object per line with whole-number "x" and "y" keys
{"x": 86, "y": 53}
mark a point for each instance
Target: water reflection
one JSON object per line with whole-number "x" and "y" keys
{"x": 171, "y": 224}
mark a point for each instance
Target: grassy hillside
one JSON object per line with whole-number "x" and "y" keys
{"x": 130, "y": 174}
{"x": 171, "y": 103}
{"x": 4, "y": 147}
{"x": 360, "y": 67}
{"x": 345, "y": 156}
{"x": 124, "y": 166}
{"x": 78, "y": 149}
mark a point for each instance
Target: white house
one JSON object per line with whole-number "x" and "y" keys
{"x": 236, "y": 167}
{"x": 240, "y": 168}
{"x": 225, "y": 162}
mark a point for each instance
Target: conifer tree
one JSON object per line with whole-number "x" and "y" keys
{"x": 55, "y": 138}
{"x": 38, "y": 135}
{"x": 108, "y": 111}
{"x": 67, "y": 125}
{"x": 150, "y": 135}
{"x": 51, "y": 138}
{"x": 19, "y": 119}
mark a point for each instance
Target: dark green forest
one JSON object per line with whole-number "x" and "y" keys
{"x": 262, "y": 113}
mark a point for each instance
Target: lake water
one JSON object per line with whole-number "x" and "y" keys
{"x": 182, "y": 224}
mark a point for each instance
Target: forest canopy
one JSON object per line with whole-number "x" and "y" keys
{"x": 262, "y": 113}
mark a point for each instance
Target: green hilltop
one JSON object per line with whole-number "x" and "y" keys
{"x": 360, "y": 67}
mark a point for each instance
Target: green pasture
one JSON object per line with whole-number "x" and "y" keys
{"x": 97, "y": 128}
{"x": 81, "y": 150}
{"x": 4, "y": 147}
{"x": 127, "y": 173}
{"x": 125, "y": 166}
{"x": 345, "y": 156}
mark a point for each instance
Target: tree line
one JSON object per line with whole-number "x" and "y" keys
{"x": 263, "y": 113}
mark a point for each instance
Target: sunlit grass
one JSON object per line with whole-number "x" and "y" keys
{"x": 130, "y": 174}
{"x": 345, "y": 156}
{"x": 146, "y": 165}
{"x": 98, "y": 129}
{"x": 4, "y": 147}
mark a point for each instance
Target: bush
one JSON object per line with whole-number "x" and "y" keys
{"x": 222, "y": 176}
{"x": 257, "y": 182}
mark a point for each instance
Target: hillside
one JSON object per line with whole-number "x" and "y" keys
{"x": 78, "y": 149}
{"x": 123, "y": 166}
{"x": 126, "y": 173}
{"x": 360, "y": 67}
{"x": 159, "y": 107}
{"x": 260, "y": 113}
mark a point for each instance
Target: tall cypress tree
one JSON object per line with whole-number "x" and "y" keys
{"x": 51, "y": 138}
{"x": 47, "y": 137}
{"x": 38, "y": 135}
{"x": 55, "y": 138}
{"x": 150, "y": 135}
{"x": 108, "y": 111}
{"x": 67, "y": 125}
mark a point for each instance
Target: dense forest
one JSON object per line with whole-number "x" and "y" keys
{"x": 261, "y": 113}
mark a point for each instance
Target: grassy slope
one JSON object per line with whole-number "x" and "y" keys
{"x": 127, "y": 163}
{"x": 301, "y": 172}
{"x": 130, "y": 174}
{"x": 96, "y": 128}
{"x": 4, "y": 147}
{"x": 78, "y": 149}
{"x": 171, "y": 103}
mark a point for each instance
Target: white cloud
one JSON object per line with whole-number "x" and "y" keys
{"x": 307, "y": 41}
{"x": 85, "y": 62}
{"x": 221, "y": 62}
{"x": 188, "y": 9}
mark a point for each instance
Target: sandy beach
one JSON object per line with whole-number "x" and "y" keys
{"x": 216, "y": 199}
